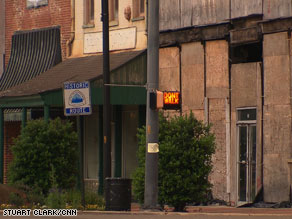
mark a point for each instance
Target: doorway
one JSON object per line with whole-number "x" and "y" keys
{"x": 247, "y": 150}
{"x": 129, "y": 142}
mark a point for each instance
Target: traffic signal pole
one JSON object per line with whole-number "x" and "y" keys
{"x": 106, "y": 94}
{"x": 151, "y": 165}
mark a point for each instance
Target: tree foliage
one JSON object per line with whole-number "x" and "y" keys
{"x": 43, "y": 149}
{"x": 186, "y": 146}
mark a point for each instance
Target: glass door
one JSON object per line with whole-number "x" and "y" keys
{"x": 246, "y": 162}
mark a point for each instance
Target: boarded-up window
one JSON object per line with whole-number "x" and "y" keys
{"x": 138, "y": 8}
{"x": 36, "y": 3}
{"x": 113, "y": 10}
{"x": 88, "y": 12}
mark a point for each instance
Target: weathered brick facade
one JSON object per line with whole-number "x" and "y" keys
{"x": 19, "y": 17}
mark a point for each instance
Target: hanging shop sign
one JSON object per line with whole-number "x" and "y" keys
{"x": 77, "y": 98}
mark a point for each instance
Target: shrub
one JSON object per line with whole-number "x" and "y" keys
{"x": 92, "y": 198}
{"x": 186, "y": 146}
{"x": 16, "y": 200}
{"x": 56, "y": 200}
{"x": 73, "y": 199}
{"x": 42, "y": 149}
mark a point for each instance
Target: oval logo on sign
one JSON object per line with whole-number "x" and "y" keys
{"x": 77, "y": 99}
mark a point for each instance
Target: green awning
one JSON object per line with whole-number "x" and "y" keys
{"x": 127, "y": 68}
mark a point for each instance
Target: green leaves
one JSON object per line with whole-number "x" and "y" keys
{"x": 186, "y": 148}
{"x": 39, "y": 149}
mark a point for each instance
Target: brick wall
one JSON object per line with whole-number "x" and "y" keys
{"x": 18, "y": 17}
{"x": 11, "y": 131}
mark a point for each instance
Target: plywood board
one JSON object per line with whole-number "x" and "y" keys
{"x": 244, "y": 85}
{"x": 169, "y": 69}
{"x": 242, "y": 8}
{"x": 277, "y": 69}
{"x": 192, "y": 76}
{"x": 119, "y": 39}
{"x": 217, "y": 69}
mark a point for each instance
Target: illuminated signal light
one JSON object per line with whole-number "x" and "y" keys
{"x": 171, "y": 100}
{"x": 168, "y": 100}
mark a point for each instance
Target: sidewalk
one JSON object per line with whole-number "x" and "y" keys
{"x": 225, "y": 210}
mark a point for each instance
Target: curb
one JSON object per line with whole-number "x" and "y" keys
{"x": 226, "y": 211}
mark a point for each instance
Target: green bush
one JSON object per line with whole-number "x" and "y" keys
{"x": 16, "y": 200}
{"x": 186, "y": 146}
{"x": 56, "y": 200}
{"x": 44, "y": 149}
{"x": 92, "y": 198}
{"x": 73, "y": 199}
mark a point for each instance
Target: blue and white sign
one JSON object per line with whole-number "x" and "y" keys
{"x": 77, "y": 98}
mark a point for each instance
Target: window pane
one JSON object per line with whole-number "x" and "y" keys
{"x": 253, "y": 148}
{"x": 242, "y": 143}
{"x": 142, "y": 7}
{"x": 92, "y": 10}
{"x": 116, "y": 9}
{"x": 248, "y": 114}
{"x": 242, "y": 182}
{"x": 36, "y": 3}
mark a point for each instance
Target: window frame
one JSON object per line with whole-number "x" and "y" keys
{"x": 113, "y": 7}
{"x": 30, "y": 4}
{"x": 137, "y": 10}
{"x": 88, "y": 12}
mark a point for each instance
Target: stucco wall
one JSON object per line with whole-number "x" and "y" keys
{"x": 277, "y": 116}
{"x": 246, "y": 92}
{"x": 217, "y": 89}
{"x": 80, "y": 30}
{"x": 188, "y": 65}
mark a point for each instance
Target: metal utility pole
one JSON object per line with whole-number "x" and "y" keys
{"x": 106, "y": 94}
{"x": 151, "y": 166}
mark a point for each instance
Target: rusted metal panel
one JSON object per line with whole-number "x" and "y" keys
{"x": 169, "y": 12}
{"x": 277, "y": 8}
{"x": 244, "y": 35}
{"x": 209, "y": 11}
{"x": 243, "y": 8}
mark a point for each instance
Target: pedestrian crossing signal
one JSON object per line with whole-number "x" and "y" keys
{"x": 167, "y": 100}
